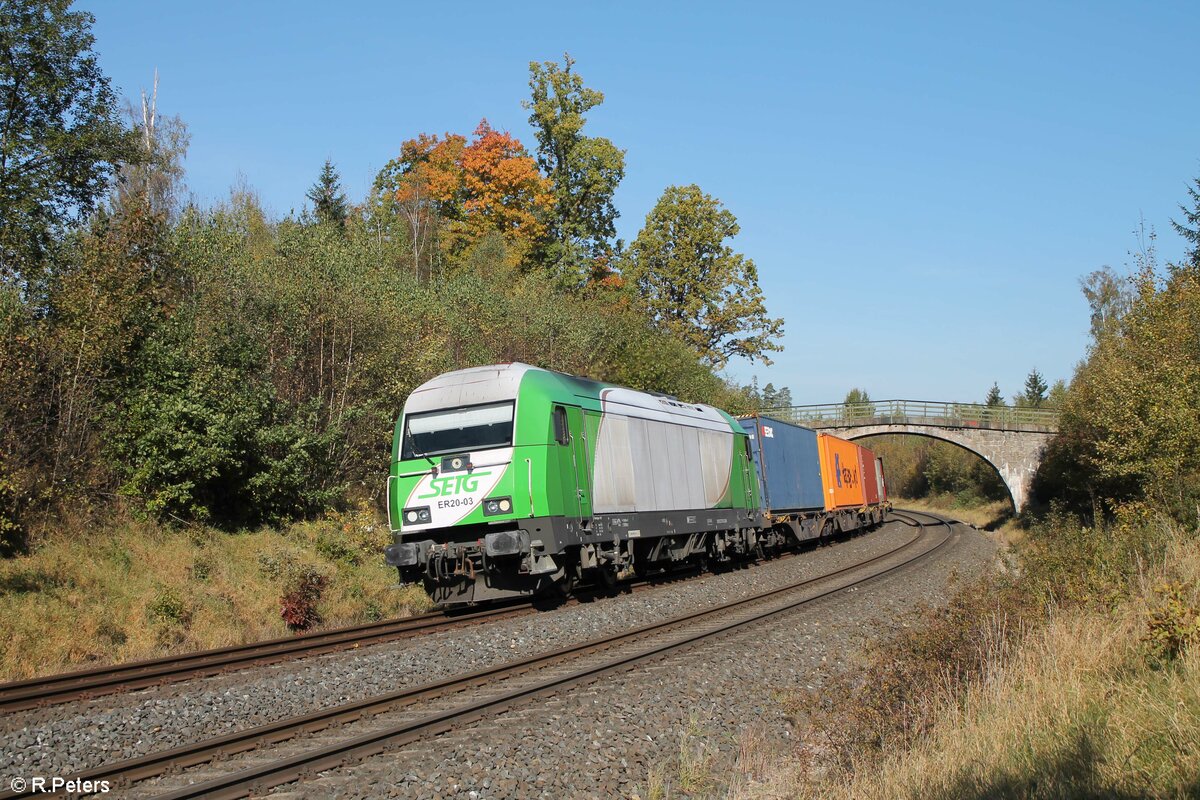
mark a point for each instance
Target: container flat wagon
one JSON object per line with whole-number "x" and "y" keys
{"x": 811, "y": 484}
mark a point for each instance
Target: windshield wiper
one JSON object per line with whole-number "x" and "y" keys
{"x": 412, "y": 446}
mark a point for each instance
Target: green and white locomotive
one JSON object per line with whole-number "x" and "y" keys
{"x": 511, "y": 480}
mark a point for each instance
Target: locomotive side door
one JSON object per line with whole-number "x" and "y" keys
{"x": 575, "y": 464}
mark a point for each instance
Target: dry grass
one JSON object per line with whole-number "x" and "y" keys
{"x": 1081, "y": 708}
{"x": 137, "y": 591}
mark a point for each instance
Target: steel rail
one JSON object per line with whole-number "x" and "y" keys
{"x": 97, "y": 681}
{"x": 240, "y": 783}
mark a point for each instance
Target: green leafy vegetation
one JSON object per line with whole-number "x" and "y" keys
{"x": 584, "y": 172}
{"x": 694, "y": 285}
{"x": 61, "y": 134}
{"x": 217, "y": 366}
{"x": 1131, "y": 417}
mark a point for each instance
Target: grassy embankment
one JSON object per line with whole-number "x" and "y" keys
{"x": 139, "y": 590}
{"x": 1072, "y": 671}
{"x": 1074, "y": 674}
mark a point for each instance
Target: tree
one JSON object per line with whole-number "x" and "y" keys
{"x": 858, "y": 404}
{"x": 151, "y": 183}
{"x": 1189, "y": 229}
{"x": 454, "y": 194}
{"x": 1108, "y": 296}
{"x": 329, "y": 201}
{"x": 424, "y": 187}
{"x": 1130, "y": 427}
{"x": 1057, "y": 394}
{"x": 584, "y": 171}
{"x": 61, "y": 137}
{"x": 994, "y": 398}
{"x": 503, "y": 190}
{"x": 1034, "y": 395}
{"x": 694, "y": 285}
{"x": 776, "y": 398}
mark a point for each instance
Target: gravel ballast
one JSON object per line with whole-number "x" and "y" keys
{"x": 64, "y": 739}
{"x": 679, "y": 722}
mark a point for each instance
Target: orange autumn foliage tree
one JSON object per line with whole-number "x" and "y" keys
{"x": 504, "y": 190}
{"x": 433, "y": 166}
{"x": 452, "y": 194}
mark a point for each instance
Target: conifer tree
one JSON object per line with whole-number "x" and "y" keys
{"x": 994, "y": 398}
{"x": 1034, "y": 395}
{"x": 1190, "y": 227}
{"x": 329, "y": 201}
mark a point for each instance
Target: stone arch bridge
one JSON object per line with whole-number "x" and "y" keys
{"x": 1013, "y": 440}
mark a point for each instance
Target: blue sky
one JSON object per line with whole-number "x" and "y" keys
{"x": 920, "y": 184}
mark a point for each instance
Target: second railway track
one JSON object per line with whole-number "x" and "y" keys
{"x": 131, "y": 676}
{"x": 98, "y": 681}
{"x": 441, "y": 706}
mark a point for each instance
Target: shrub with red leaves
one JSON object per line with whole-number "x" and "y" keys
{"x": 299, "y": 604}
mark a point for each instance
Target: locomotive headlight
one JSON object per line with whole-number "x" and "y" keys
{"x": 417, "y": 516}
{"x": 497, "y": 505}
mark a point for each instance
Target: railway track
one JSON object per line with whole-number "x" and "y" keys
{"x": 415, "y": 714}
{"x": 98, "y": 681}
{"x": 117, "y": 678}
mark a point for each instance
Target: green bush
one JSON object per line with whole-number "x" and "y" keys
{"x": 336, "y": 549}
{"x": 168, "y": 607}
{"x": 1174, "y": 624}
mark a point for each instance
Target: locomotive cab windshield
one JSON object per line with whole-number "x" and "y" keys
{"x": 458, "y": 430}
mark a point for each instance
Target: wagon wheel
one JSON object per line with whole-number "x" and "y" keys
{"x": 606, "y": 577}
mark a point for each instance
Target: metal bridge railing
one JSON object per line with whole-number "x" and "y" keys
{"x": 918, "y": 412}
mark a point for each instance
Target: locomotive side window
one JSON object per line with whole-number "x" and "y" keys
{"x": 562, "y": 434}
{"x": 458, "y": 430}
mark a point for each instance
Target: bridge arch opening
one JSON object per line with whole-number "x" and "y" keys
{"x": 943, "y": 466}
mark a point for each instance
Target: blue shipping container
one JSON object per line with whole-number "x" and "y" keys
{"x": 789, "y": 469}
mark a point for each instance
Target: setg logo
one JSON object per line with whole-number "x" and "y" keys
{"x": 453, "y": 484}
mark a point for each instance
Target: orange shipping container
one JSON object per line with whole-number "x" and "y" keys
{"x": 841, "y": 472}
